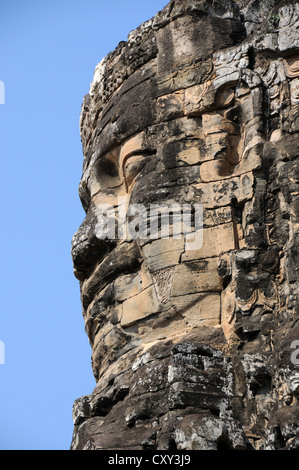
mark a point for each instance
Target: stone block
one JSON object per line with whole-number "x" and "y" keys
{"x": 130, "y": 285}
{"x": 163, "y": 253}
{"x": 171, "y": 106}
{"x": 194, "y": 98}
{"x": 199, "y": 309}
{"x": 216, "y": 240}
{"x": 221, "y": 193}
{"x": 196, "y": 276}
{"x": 139, "y": 307}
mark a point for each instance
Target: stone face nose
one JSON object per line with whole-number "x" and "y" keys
{"x": 87, "y": 249}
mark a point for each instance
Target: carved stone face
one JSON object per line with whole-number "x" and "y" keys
{"x": 199, "y": 147}
{"x": 192, "y": 116}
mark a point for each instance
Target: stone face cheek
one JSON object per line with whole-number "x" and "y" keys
{"x": 196, "y": 114}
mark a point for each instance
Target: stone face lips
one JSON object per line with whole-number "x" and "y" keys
{"x": 193, "y": 348}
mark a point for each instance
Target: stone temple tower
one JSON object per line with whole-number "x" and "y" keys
{"x": 193, "y": 320}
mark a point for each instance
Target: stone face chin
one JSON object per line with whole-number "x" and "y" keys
{"x": 188, "y": 256}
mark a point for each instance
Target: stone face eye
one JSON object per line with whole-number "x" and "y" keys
{"x": 107, "y": 167}
{"x": 105, "y": 174}
{"x": 132, "y": 168}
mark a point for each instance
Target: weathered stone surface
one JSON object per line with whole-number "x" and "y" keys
{"x": 140, "y": 306}
{"x": 193, "y": 346}
{"x": 216, "y": 240}
{"x": 199, "y": 309}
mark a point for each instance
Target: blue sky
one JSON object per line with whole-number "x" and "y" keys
{"x": 48, "y": 53}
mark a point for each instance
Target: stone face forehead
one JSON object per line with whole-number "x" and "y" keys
{"x": 172, "y": 51}
{"x": 142, "y": 45}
